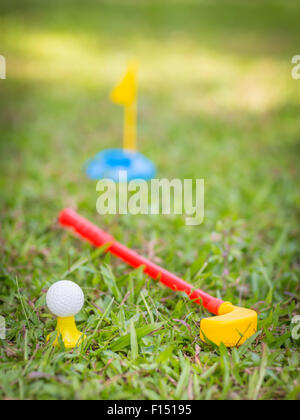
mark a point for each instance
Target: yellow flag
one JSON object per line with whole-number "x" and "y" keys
{"x": 125, "y": 92}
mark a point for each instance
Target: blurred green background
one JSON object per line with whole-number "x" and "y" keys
{"x": 216, "y": 101}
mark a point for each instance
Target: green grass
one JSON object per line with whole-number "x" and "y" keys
{"x": 217, "y": 101}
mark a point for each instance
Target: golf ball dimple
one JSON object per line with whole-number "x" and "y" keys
{"x": 65, "y": 298}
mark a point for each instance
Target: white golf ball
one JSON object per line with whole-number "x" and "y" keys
{"x": 65, "y": 298}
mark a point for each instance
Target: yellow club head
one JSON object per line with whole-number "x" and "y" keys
{"x": 232, "y": 326}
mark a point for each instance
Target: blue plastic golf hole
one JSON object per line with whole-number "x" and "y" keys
{"x": 117, "y": 161}
{"x": 111, "y": 163}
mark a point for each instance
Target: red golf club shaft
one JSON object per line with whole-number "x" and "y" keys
{"x": 97, "y": 237}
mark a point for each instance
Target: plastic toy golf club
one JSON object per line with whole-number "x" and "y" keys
{"x": 232, "y": 325}
{"x": 110, "y": 163}
{"x": 65, "y": 299}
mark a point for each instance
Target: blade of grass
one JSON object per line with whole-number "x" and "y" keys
{"x": 133, "y": 342}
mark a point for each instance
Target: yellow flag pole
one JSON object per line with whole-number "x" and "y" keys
{"x": 130, "y": 124}
{"x": 125, "y": 93}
